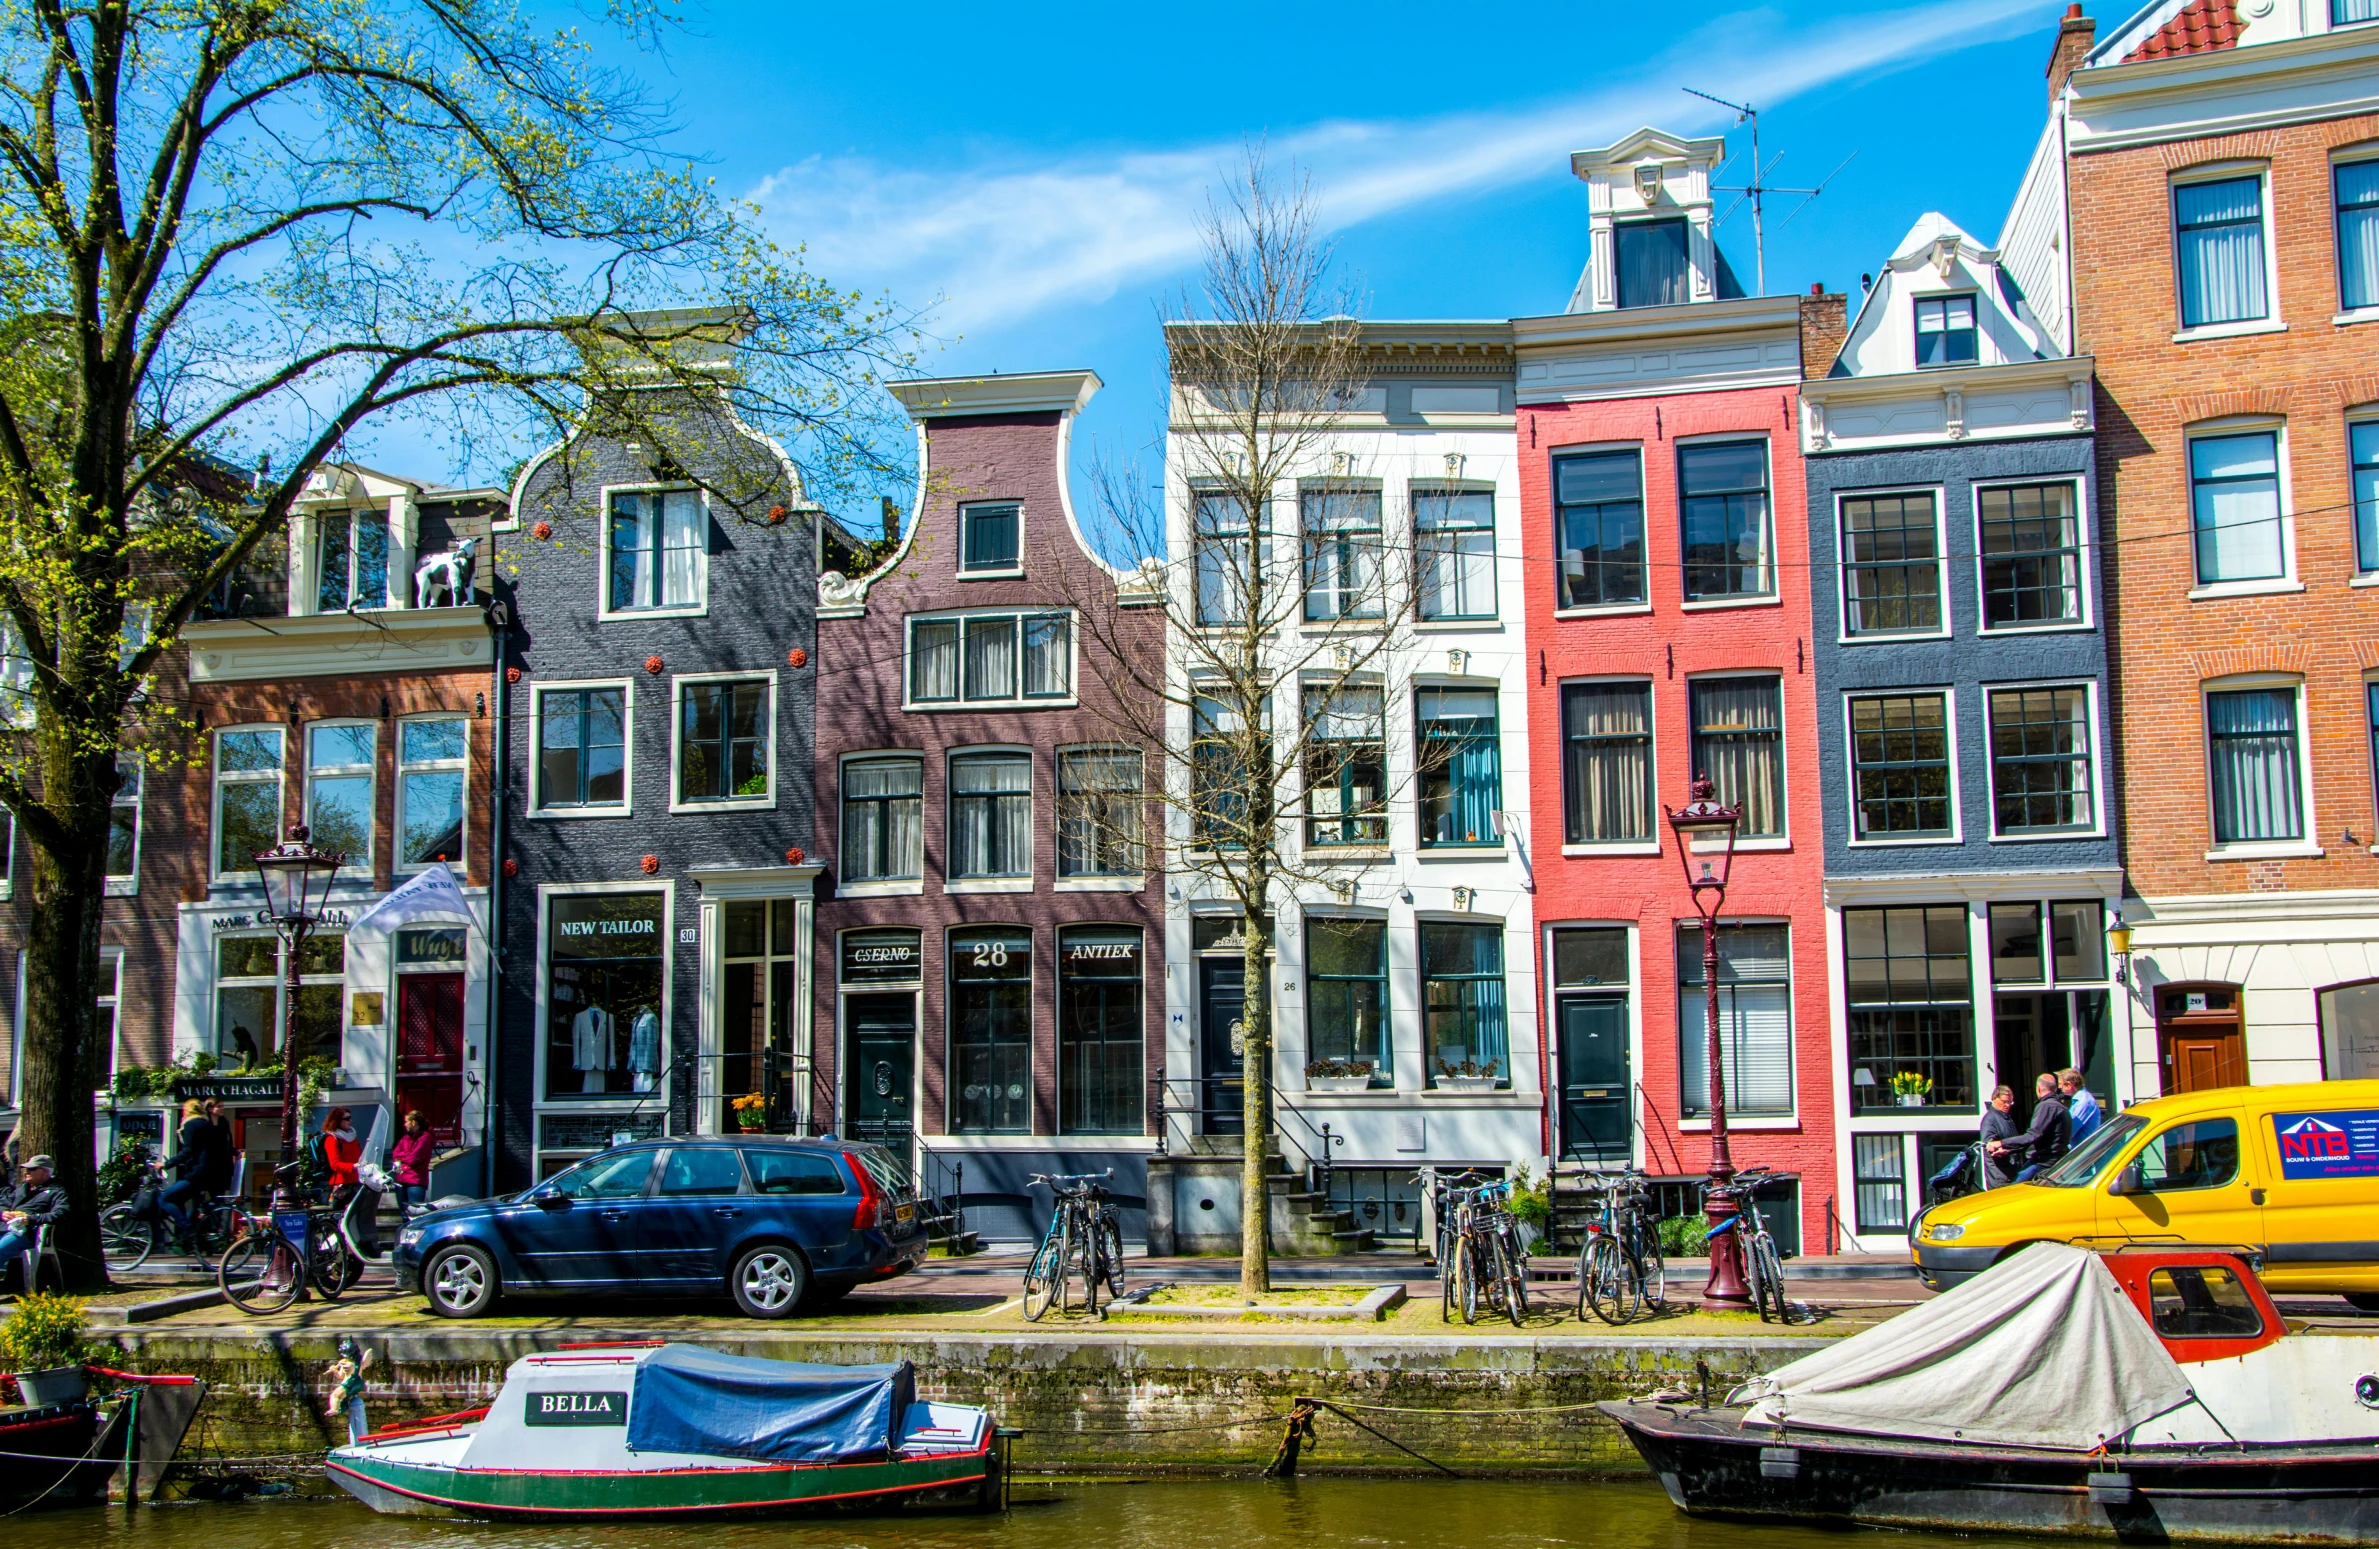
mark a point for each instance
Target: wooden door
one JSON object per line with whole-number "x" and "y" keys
{"x": 429, "y": 1063}
{"x": 2200, "y": 1038}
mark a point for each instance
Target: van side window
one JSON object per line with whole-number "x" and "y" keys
{"x": 793, "y": 1172}
{"x": 2203, "y": 1155}
{"x": 2201, "y": 1302}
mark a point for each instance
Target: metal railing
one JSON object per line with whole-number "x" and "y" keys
{"x": 1191, "y": 1106}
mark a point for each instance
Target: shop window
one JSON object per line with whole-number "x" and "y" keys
{"x": 991, "y": 1024}
{"x": 2350, "y": 1031}
{"x": 1910, "y": 1008}
{"x": 722, "y": 741}
{"x": 1899, "y": 757}
{"x": 432, "y": 765}
{"x": 659, "y": 543}
{"x": 1346, "y": 1003}
{"x": 1100, "y": 1035}
{"x": 1462, "y": 1000}
{"x": 606, "y": 962}
{"x": 1346, "y": 767}
{"x": 2050, "y": 1002}
{"x": 247, "y": 799}
{"x": 883, "y": 819}
{"x": 1098, "y": 812}
{"x": 1755, "y": 1020}
{"x": 339, "y": 768}
{"x": 2031, "y": 555}
{"x": 582, "y": 747}
{"x": 991, "y": 815}
{"x": 989, "y": 537}
{"x": 1342, "y": 553}
{"x": 1738, "y": 741}
{"x": 1606, "y": 786}
{"x": 1598, "y": 529}
{"x": 1730, "y": 540}
{"x": 351, "y": 556}
{"x": 1461, "y": 768}
{"x": 1454, "y": 553}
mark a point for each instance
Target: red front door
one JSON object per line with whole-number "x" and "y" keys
{"x": 429, "y": 1062}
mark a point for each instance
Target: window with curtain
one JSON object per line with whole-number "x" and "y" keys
{"x": 1755, "y": 1020}
{"x": 991, "y": 658}
{"x": 1899, "y": 763}
{"x": 1454, "y": 553}
{"x": 933, "y": 661}
{"x": 1891, "y": 565}
{"x": 1606, "y": 787}
{"x": 1346, "y": 992}
{"x": 2356, "y": 187}
{"x": 1738, "y": 741}
{"x": 1879, "y": 1179}
{"x": 2218, "y": 227}
{"x": 582, "y": 747}
{"x": 1462, "y": 1002}
{"x": 340, "y": 762}
{"x": 988, "y": 660}
{"x": 1598, "y": 529}
{"x": 1730, "y": 543}
{"x": 432, "y": 761}
{"x": 1652, "y": 268}
{"x": 2234, "y": 507}
{"x": 1945, "y": 331}
{"x": 2259, "y": 792}
{"x": 991, "y": 815}
{"x": 1461, "y": 768}
{"x": 2031, "y": 555}
{"x": 2344, "y": 13}
{"x": 352, "y": 554}
{"x": 1342, "y": 552}
{"x": 883, "y": 819}
{"x": 988, "y": 537}
{"x": 2040, "y": 760}
{"x": 659, "y": 548}
{"x": 1909, "y": 996}
{"x": 1224, "y": 557}
{"x": 1098, "y": 812}
{"x": 1048, "y": 655}
{"x": 2363, "y": 450}
{"x": 722, "y": 741}
{"x": 1346, "y": 767}
{"x": 123, "y": 821}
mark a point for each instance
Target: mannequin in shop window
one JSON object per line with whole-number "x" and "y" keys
{"x": 644, "y": 1049}
{"x": 591, "y": 1049}
{"x": 245, "y": 1042}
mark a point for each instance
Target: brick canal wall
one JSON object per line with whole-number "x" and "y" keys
{"x": 1104, "y": 1402}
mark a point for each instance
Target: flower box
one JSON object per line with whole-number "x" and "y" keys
{"x": 1337, "y": 1083}
{"x": 1466, "y": 1083}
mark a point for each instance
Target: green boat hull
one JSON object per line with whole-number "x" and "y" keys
{"x": 962, "y": 1481}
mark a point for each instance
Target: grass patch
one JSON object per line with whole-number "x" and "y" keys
{"x": 1231, "y": 1296}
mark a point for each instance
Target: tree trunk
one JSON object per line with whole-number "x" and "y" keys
{"x": 65, "y": 1060}
{"x": 1255, "y": 1064}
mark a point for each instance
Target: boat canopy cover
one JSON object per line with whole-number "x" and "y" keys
{"x": 2041, "y": 1350}
{"x": 689, "y": 1399}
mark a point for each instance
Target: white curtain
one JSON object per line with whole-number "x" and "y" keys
{"x": 683, "y": 531}
{"x": 2221, "y": 232}
{"x": 2257, "y": 792}
{"x": 933, "y": 661}
{"x": 991, "y": 816}
{"x": 1737, "y": 737}
{"x": 1610, "y": 762}
{"x": 2235, "y": 498}
{"x": 2358, "y": 225}
{"x": 883, "y": 834}
{"x": 991, "y": 658}
{"x": 1048, "y": 655}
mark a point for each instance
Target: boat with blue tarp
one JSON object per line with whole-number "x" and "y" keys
{"x": 672, "y": 1430}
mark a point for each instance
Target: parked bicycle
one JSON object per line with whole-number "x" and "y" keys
{"x": 288, "y": 1250}
{"x": 1084, "y": 1242}
{"x": 1763, "y": 1267}
{"x": 1479, "y": 1255}
{"x": 1621, "y": 1270}
{"x": 132, "y": 1232}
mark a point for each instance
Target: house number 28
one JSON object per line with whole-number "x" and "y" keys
{"x": 991, "y": 954}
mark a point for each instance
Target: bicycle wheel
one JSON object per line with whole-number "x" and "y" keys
{"x": 1044, "y": 1282}
{"x": 1448, "y": 1280}
{"x": 1515, "y": 1277}
{"x": 1606, "y": 1286}
{"x": 1111, "y": 1234}
{"x": 1763, "y": 1249}
{"x": 326, "y": 1260}
{"x": 260, "y": 1274}
{"x": 1083, "y": 1261}
{"x": 1652, "y": 1269}
{"x": 126, "y": 1237}
{"x": 1467, "y": 1279}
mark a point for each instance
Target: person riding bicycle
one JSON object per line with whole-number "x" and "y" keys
{"x": 186, "y": 1196}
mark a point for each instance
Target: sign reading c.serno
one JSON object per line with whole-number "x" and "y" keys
{"x": 577, "y": 1409}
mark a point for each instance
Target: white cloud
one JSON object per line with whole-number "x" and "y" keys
{"x": 998, "y": 243}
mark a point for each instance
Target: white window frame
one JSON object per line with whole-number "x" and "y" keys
{"x": 620, "y": 1102}
{"x": 678, "y": 684}
{"x": 537, "y": 692}
{"x": 1095, "y": 881}
{"x": 1007, "y": 572}
{"x": 344, "y": 771}
{"x": 2255, "y": 849}
{"x": 2098, "y": 791}
{"x": 1784, "y": 767}
{"x": 111, "y": 1000}
{"x": 1850, "y": 768}
{"x": 2274, "y": 319}
{"x": 8, "y": 862}
{"x": 125, "y": 885}
{"x": 2085, "y": 555}
{"x": 217, "y": 779}
{"x": 1016, "y": 883}
{"x": 1773, "y": 597}
{"x": 844, "y": 887}
{"x": 1916, "y": 328}
{"x": 2354, "y": 154}
{"x": 1417, "y": 490}
{"x": 318, "y": 527}
{"x": 1017, "y": 701}
{"x": 2288, "y": 580}
{"x": 2354, "y": 418}
{"x": 1560, "y": 716}
{"x": 1699, "y": 1007}
{"x": 396, "y": 834}
{"x": 700, "y": 606}
{"x": 1940, "y": 497}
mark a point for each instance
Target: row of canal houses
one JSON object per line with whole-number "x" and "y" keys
{"x": 2022, "y": 603}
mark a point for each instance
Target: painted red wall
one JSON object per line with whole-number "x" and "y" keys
{"x": 1670, "y": 644}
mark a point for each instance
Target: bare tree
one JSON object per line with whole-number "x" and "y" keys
{"x": 1267, "y": 712}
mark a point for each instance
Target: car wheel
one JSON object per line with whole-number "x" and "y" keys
{"x": 769, "y": 1281}
{"x": 460, "y": 1282}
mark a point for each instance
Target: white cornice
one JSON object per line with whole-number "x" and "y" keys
{"x": 2224, "y": 91}
{"x": 1032, "y": 392}
{"x": 1923, "y": 384}
{"x": 755, "y": 881}
{"x": 2360, "y": 904}
{"x": 1956, "y": 392}
{"x": 393, "y": 640}
{"x": 1680, "y": 323}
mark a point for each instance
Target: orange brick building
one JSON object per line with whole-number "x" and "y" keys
{"x": 2203, "y": 218}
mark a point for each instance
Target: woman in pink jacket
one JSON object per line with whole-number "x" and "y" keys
{"x": 409, "y": 1161}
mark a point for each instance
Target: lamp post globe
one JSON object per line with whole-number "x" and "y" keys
{"x": 296, "y": 878}
{"x": 1705, "y": 830}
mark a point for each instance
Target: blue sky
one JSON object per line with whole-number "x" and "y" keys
{"x": 1037, "y": 181}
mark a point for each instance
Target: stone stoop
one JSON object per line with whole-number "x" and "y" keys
{"x": 1304, "y": 1225}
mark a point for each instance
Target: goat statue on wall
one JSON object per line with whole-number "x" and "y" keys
{"x": 449, "y": 573}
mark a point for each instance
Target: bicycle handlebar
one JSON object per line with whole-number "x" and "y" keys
{"x": 1058, "y": 1181}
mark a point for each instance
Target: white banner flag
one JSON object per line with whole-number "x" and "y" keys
{"x": 431, "y": 892}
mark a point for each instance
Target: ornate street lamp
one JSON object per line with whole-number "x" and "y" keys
{"x": 1704, "y": 820}
{"x": 296, "y": 885}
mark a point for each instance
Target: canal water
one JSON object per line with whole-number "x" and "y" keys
{"x": 1243, "y": 1514}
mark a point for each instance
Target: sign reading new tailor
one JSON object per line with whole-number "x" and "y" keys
{"x": 2339, "y": 1144}
{"x": 577, "y": 1409}
{"x": 882, "y": 957}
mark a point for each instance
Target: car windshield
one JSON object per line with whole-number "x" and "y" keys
{"x": 615, "y": 1175}
{"x": 2085, "y": 1162}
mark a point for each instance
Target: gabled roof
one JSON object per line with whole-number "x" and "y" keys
{"x": 2199, "y": 27}
{"x": 1648, "y": 143}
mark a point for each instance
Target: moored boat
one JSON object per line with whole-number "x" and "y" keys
{"x": 2145, "y": 1395}
{"x": 668, "y": 1430}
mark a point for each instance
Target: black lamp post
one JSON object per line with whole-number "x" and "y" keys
{"x": 296, "y": 885}
{"x": 1704, "y": 818}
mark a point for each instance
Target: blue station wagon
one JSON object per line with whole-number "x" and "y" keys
{"x": 775, "y": 1222}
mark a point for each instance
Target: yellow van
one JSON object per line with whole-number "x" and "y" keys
{"x": 2291, "y": 1171}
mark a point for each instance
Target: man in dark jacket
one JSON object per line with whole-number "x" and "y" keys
{"x": 2050, "y": 1133}
{"x": 34, "y": 1202}
{"x": 1999, "y": 1131}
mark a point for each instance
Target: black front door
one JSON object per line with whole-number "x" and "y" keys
{"x": 883, "y": 1069}
{"x": 1222, "y": 1001}
{"x": 1594, "y": 1079}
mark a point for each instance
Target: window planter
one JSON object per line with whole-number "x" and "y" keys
{"x": 1338, "y": 1083}
{"x": 1466, "y": 1083}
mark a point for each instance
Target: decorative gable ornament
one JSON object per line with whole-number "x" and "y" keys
{"x": 1342, "y": 464}
{"x": 1648, "y": 181}
{"x": 1453, "y": 465}
{"x": 1462, "y": 899}
{"x": 1945, "y": 256}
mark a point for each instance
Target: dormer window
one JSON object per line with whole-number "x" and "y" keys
{"x": 1945, "y": 332}
{"x": 988, "y": 538}
{"x": 352, "y": 556}
{"x": 1652, "y": 270}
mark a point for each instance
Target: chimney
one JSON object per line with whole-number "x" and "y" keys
{"x": 891, "y": 509}
{"x": 2074, "y": 36}
{"x": 1825, "y": 323}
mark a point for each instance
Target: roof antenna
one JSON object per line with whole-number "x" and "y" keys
{"x": 1758, "y": 188}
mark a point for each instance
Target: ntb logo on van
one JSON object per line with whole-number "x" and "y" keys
{"x": 2343, "y": 1144}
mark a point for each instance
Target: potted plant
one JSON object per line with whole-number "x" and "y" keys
{"x": 1909, "y": 1088}
{"x": 1467, "y": 1076}
{"x": 43, "y": 1344}
{"x": 751, "y": 1112}
{"x": 1338, "y": 1075}
{"x": 1531, "y": 1206}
